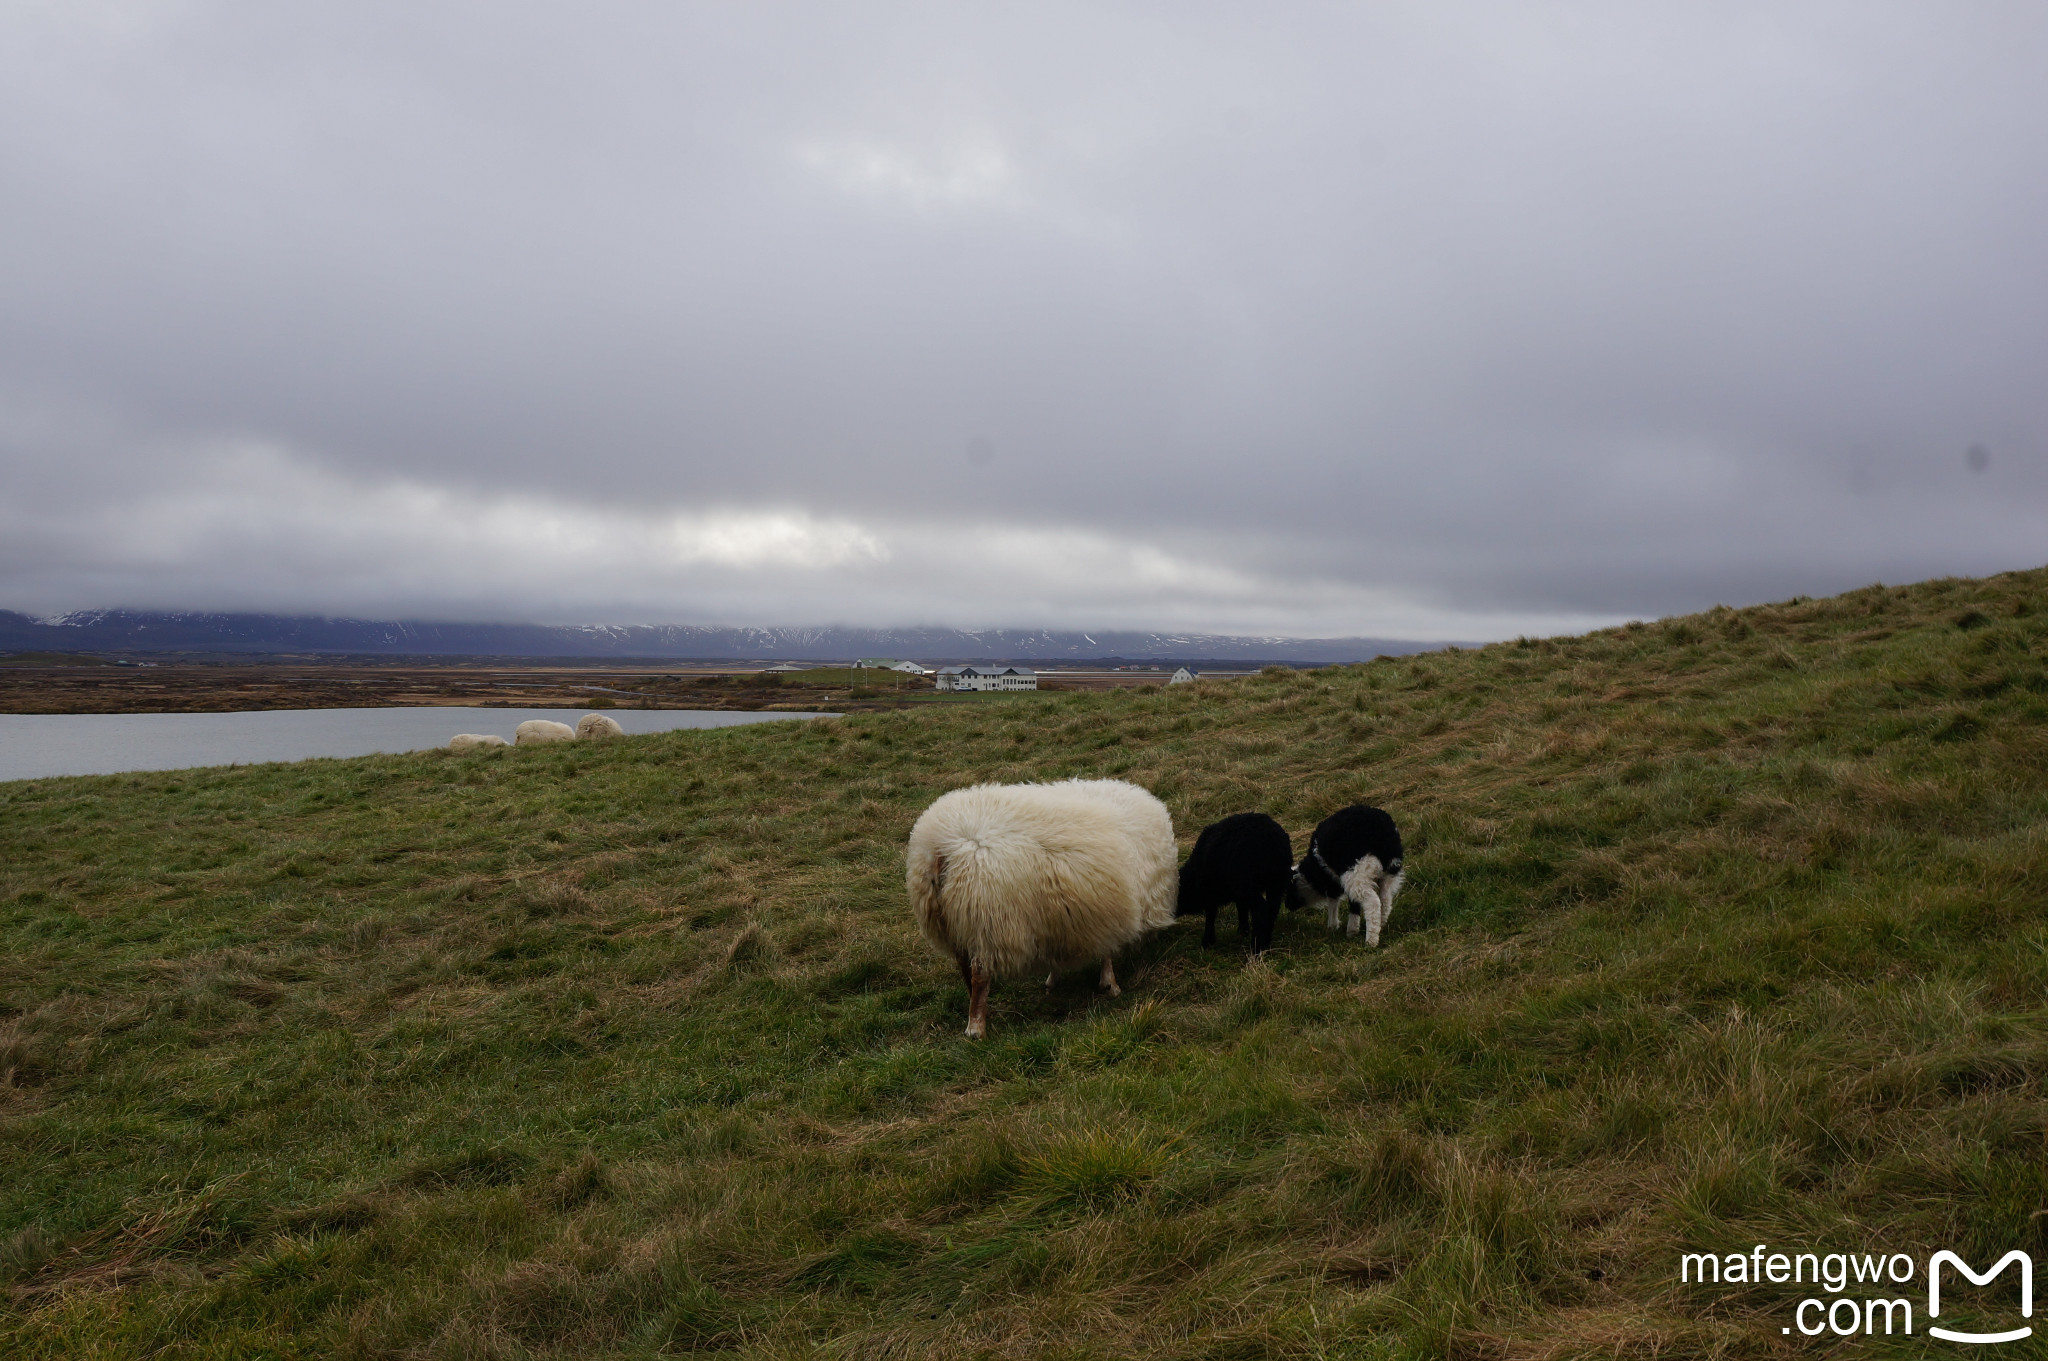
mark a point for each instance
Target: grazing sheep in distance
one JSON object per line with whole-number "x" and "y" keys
{"x": 475, "y": 741}
{"x": 1354, "y": 856}
{"x": 598, "y": 725}
{"x": 535, "y": 731}
{"x": 1245, "y": 859}
{"x": 1009, "y": 878}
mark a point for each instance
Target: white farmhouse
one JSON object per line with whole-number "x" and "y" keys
{"x": 986, "y": 678}
{"x": 1185, "y": 677}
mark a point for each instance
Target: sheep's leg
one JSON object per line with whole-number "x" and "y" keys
{"x": 1108, "y": 979}
{"x": 1050, "y": 976}
{"x": 1209, "y": 925}
{"x": 1334, "y": 912}
{"x": 977, "y": 1000}
{"x": 1244, "y": 920}
{"x": 1264, "y": 914}
{"x": 1368, "y": 915}
{"x": 1362, "y": 884}
{"x": 1388, "y": 888}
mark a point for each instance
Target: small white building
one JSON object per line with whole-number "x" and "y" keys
{"x": 1185, "y": 677}
{"x": 986, "y": 678}
{"x": 890, "y": 664}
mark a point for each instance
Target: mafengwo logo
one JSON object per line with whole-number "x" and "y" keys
{"x": 1854, "y": 1311}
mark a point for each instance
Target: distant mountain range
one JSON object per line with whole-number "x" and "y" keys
{"x": 141, "y": 631}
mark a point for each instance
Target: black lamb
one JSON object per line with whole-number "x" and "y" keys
{"x": 1244, "y": 859}
{"x": 1353, "y": 858}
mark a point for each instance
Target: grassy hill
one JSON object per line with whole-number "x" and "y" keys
{"x": 1723, "y": 931}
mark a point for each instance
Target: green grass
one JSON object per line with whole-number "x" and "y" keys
{"x": 1726, "y": 930}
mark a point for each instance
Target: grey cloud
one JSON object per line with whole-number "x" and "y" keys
{"x": 1451, "y": 313}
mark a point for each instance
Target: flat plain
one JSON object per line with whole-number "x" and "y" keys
{"x": 55, "y": 684}
{"x": 58, "y": 683}
{"x": 1720, "y": 931}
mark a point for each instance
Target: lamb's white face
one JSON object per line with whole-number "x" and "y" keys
{"x": 1306, "y": 894}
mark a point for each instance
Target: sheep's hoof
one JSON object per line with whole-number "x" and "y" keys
{"x": 975, "y": 1032}
{"x": 1115, "y": 991}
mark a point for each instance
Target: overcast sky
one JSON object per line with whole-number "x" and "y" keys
{"x": 1430, "y": 320}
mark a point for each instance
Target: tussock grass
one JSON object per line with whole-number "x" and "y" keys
{"x": 1720, "y": 930}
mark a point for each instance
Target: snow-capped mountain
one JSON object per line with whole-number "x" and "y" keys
{"x": 143, "y": 631}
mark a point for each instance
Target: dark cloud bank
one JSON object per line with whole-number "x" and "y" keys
{"x": 1433, "y": 321}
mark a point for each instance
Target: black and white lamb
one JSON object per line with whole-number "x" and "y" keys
{"x": 1354, "y": 858}
{"x": 1245, "y": 859}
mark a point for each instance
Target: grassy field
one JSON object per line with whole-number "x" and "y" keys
{"x": 1723, "y": 931}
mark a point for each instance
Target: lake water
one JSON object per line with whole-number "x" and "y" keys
{"x": 35, "y": 745}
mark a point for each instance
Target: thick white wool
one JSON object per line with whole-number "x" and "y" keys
{"x": 1036, "y": 876}
{"x": 535, "y": 731}
{"x": 599, "y": 725}
{"x": 473, "y": 741}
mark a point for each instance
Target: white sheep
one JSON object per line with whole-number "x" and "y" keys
{"x": 475, "y": 741}
{"x": 535, "y": 731}
{"x": 598, "y": 725}
{"x": 1009, "y": 878}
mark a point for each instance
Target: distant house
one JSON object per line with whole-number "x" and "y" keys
{"x": 1185, "y": 677}
{"x": 889, "y": 664}
{"x": 986, "y": 678}
{"x": 782, "y": 669}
